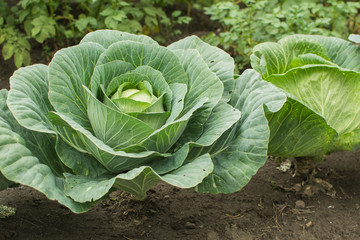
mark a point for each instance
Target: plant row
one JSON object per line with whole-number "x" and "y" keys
{"x": 119, "y": 111}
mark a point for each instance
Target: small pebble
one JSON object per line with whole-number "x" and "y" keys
{"x": 299, "y": 204}
{"x": 190, "y": 225}
{"x": 297, "y": 187}
{"x": 309, "y": 224}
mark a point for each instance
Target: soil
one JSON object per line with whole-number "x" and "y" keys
{"x": 263, "y": 209}
{"x": 258, "y": 211}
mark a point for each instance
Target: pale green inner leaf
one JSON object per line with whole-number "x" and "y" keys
{"x": 104, "y": 73}
{"x": 140, "y": 54}
{"x": 114, "y": 128}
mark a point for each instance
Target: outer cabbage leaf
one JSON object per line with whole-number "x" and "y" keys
{"x": 341, "y": 52}
{"x": 202, "y": 83}
{"x": 220, "y": 62}
{"x": 348, "y": 141}
{"x": 325, "y": 91}
{"x": 104, "y": 73}
{"x": 354, "y": 38}
{"x": 29, "y": 104}
{"x": 31, "y": 167}
{"x": 108, "y": 37}
{"x": 275, "y": 58}
{"x": 138, "y": 180}
{"x": 70, "y": 69}
{"x": 307, "y": 135}
{"x": 139, "y": 54}
{"x": 328, "y": 91}
{"x": 242, "y": 150}
{"x": 28, "y": 98}
{"x": 4, "y": 183}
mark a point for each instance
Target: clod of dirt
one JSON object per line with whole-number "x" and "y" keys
{"x": 299, "y": 204}
{"x": 297, "y": 188}
{"x": 211, "y": 235}
{"x": 304, "y": 167}
{"x": 313, "y": 187}
{"x": 310, "y": 190}
{"x": 325, "y": 187}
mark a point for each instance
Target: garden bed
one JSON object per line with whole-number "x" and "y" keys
{"x": 256, "y": 212}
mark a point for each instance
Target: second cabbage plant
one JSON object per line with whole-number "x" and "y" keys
{"x": 321, "y": 78}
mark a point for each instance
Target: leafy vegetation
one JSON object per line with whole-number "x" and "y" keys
{"x": 252, "y": 22}
{"x": 65, "y": 22}
{"x": 354, "y": 38}
{"x": 321, "y": 77}
{"x": 6, "y": 211}
{"x": 243, "y": 23}
{"x": 119, "y": 111}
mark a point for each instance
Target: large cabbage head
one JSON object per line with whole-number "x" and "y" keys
{"x": 119, "y": 111}
{"x": 321, "y": 78}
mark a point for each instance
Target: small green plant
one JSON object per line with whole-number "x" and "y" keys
{"x": 6, "y": 211}
{"x": 168, "y": 30}
{"x": 15, "y": 44}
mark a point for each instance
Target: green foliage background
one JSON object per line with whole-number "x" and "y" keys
{"x": 64, "y": 22}
{"x": 242, "y": 23}
{"x": 247, "y": 23}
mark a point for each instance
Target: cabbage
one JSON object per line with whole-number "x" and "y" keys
{"x": 119, "y": 111}
{"x": 321, "y": 78}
